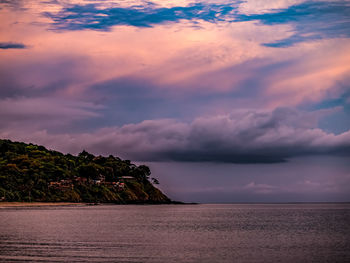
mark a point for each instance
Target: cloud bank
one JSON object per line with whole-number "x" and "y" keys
{"x": 244, "y": 136}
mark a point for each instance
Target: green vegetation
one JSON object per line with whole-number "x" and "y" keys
{"x": 32, "y": 173}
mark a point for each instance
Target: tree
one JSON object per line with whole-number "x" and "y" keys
{"x": 154, "y": 180}
{"x": 30, "y": 172}
{"x": 142, "y": 172}
{"x": 86, "y": 156}
{"x": 89, "y": 171}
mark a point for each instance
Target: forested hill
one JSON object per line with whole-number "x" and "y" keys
{"x": 32, "y": 173}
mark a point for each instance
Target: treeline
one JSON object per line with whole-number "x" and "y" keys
{"x": 30, "y": 172}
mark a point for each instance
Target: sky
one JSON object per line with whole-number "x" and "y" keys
{"x": 226, "y": 101}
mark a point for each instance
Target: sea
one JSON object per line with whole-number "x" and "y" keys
{"x": 176, "y": 233}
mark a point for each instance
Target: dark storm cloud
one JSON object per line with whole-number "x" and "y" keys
{"x": 311, "y": 20}
{"x": 11, "y": 45}
{"x": 256, "y": 137}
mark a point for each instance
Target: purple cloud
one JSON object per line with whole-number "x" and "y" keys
{"x": 244, "y": 136}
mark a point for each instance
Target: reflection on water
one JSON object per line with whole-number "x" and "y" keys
{"x": 177, "y": 233}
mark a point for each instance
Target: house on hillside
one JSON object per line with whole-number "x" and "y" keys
{"x": 54, "y": 184}
{"x": 80, "y": 180}
{"x": 96, "y": 181}
{"x": 120, "y": 186}
{"x": 99, "y": 180}
{"x": 62, "y": 184}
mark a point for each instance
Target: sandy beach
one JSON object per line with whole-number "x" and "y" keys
{"x": 33, "y": 204}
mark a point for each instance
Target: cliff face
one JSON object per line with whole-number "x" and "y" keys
{"x": 32, "y": 173}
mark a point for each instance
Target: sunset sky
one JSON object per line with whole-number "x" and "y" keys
{"x": 226, "y": 101}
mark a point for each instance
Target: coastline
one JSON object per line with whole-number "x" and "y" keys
{"x": 37, "y": 204}
{"x": 41, "y": 204}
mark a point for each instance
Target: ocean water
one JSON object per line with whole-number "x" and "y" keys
{"x": 177, "y": 233}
